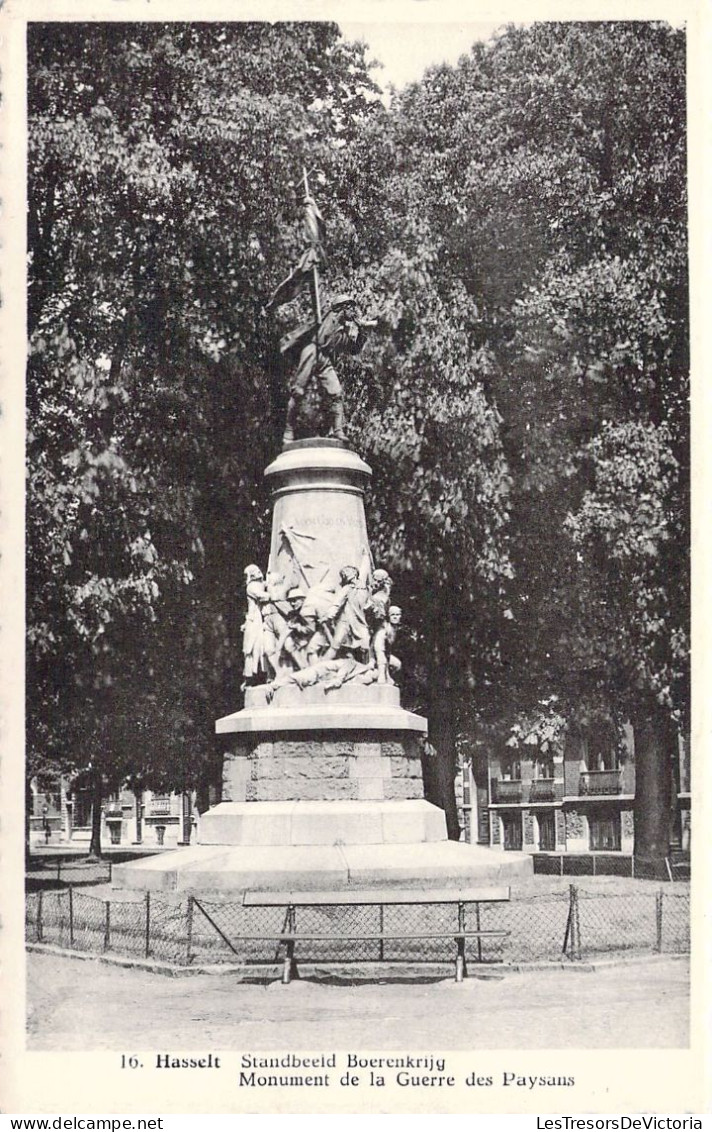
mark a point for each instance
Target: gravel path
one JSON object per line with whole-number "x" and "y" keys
{"x": 88, "y": 1005}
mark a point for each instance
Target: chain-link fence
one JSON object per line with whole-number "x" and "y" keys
{"x": 73, "y": 919}
{"x": 587, "y": 864}
{"x": 673, "y": 868}
{"x": 599, "y": 923}
{"x": 576, "y": 924}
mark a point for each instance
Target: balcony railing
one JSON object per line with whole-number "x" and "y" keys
{"x": 600, "y": 782}
{"x": 542, "y": 790}
{"x": 506, "y": 790}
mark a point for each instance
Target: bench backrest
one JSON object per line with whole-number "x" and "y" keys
{"x": 379, "y": 896}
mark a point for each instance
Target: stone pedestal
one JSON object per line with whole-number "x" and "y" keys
{"x": 348, "y": 766}
{"x": 318, "y": 490}
{"x": 322, "y": 788}
{"x": 354, "y": 707}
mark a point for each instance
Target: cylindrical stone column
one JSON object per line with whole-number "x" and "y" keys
{"x": 318, "y": 520}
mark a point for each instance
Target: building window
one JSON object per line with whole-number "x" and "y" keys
{"x": 511, "y": 769}
{"x": 512, "y": 830}
{"x": 81, "y": 815}
{"x": 600, "y": 752}
{"x": 604, "y": 832}
{"x": 544, "y": 768}
{"x": 547, "y": 831}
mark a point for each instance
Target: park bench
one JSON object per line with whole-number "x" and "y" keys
{"x": 290, "y": 935}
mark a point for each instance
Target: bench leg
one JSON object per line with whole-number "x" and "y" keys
{"x": 288, "y": 968}
{"x": 460, "y": 965}
{"x": 289, "y": 971}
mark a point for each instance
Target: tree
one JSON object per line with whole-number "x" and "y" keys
{"x": 156, "y": 230}
{"x": 425, "y": 422}
{"x": 518, "y": 221}
{"x": 548, "y": 171}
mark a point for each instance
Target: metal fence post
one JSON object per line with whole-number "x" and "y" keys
{"x": 572, "y": 935}
{"x": 461, "y": 962}
{"x": 188, "y": 931}
{"x": 567, "y": 933}
{"x": 148, "y": 925}
{"x": 659, "y": 920}
{"x": 39, "y": 927}
{"x": 71, "y": 915}
{"x": 107, "y": 925}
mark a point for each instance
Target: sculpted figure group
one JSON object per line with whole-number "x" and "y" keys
{"x": 319, "y": 634}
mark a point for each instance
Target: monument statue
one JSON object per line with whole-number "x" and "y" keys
{"x": 393, "y": 664}
{"x": 318, "y": 342}
{"x": 253, "y": 625}
{"x": 321, "y": 615}
{"x": 320, "y": 632}
{"x": 322, "y": 783}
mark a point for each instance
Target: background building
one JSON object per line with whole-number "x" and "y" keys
{"x": 575, "y": 797}
{"x": 127, "y": 819}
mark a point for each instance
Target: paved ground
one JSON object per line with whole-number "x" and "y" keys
{"x": 87, "y": 1005}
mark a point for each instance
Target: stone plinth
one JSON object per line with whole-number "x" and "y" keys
{"x": 353, "y": 707}
{"x": 346, "y": 766}
{"x": 313, "y": 717}
{"x": 229, "y": 871}
{"x": 318, "y": 512}
{"x": 323, "y": 823}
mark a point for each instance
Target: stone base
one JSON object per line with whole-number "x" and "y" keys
{"x": 233, "y": 870}
{"x": 322, "y": 715}
{"x": 336, "y": 767}
{"x": 322, "y": 823}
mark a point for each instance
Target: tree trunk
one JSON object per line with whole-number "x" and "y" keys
{"x": 138, "y": 795}
{"x": 655, "y": 743}
{"x": 97, "y": 797}
{"x": 440, "y": 765}
{"x": 28, "y": 813}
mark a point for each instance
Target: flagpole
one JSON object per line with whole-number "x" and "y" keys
{"x": 316, "y": 299}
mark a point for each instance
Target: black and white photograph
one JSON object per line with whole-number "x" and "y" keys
{"x": 352, "y": 412}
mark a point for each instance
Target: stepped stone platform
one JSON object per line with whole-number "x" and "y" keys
{"x": 311, "y": 846}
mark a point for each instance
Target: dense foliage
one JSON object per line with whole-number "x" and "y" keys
{"x": 517, "y": 224}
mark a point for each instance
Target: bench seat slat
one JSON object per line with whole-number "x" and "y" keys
{"x": 379, "y": 896}
{"x": 296, "y": 936}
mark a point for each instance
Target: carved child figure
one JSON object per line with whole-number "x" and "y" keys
{"x": 395, "y": 615}
{"x": 378, "y": 615}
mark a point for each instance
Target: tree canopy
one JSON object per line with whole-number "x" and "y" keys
{"x": 518, "y": 225}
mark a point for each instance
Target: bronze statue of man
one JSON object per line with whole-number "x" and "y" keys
{"x": 331, "y": 331}
{"x": 339, "y": 333}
